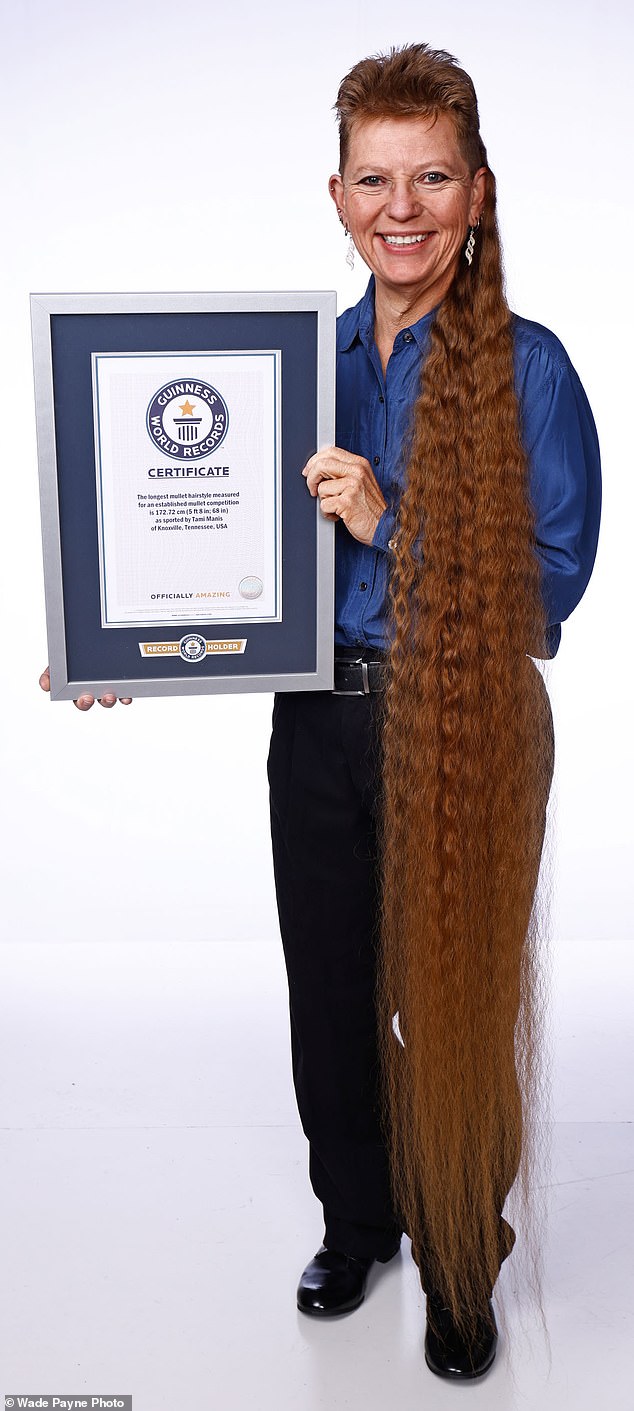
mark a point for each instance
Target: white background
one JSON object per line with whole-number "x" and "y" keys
{"x": 154, "y": 1196}
{"x": 150, "y": 824}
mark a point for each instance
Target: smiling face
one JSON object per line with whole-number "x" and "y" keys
{"x": 408, "y": 198}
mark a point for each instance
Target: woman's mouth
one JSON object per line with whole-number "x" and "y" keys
{"x": 401, "y": 241}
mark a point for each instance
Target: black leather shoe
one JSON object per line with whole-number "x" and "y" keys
{"x": 446, "y": 1352}
{"x": 332, "y": 1283}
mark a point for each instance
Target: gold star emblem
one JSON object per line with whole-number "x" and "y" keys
{"x": 187, "y": 407}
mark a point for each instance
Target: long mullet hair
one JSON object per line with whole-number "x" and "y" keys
{"x": 468, "y": 752}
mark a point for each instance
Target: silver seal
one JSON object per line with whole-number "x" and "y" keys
{"x": 250, "y": 587}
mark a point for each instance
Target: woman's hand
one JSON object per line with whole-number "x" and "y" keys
{"x": 85, "y": 702}
{"x": 347, "y": 490}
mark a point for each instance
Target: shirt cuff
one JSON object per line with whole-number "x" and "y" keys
{"x": 385, "y": 532}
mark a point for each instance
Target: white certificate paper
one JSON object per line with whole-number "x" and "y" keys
{"x": 188, "y": 487}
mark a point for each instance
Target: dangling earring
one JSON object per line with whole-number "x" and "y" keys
{"x": 470, "y": 245}
{"x": 351, "y": 245}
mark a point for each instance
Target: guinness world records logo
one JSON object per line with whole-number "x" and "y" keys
{"x": 187, "y": 419}
{"x": 192, "y": 647}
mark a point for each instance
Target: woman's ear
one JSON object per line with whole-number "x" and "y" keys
{"x": 335, "y": 188}
{"x": 478, "y": 195}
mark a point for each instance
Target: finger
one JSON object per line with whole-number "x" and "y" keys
{"x": 332, "y": 489}
{"x": 316, "y": 459}
{"x": 84, "y": 702}
{"x": 331, "y": 506}
{"x": 333, "y": 455}
{"x": 332, "y": 464}
{"x": 315, "y": 476}
{"x": 125, "y": 700}
{"x": 107, "y": 701}
{"x": 45, "y": 679}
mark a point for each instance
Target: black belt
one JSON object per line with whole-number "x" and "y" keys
{"x": 359, "y": 674}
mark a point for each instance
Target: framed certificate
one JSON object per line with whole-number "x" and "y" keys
{"x": 182, "y": 550}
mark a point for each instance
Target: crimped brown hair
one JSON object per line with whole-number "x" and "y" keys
{"x": 467, "y": 767}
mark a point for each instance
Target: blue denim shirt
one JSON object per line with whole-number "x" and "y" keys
{"x": 558, "y": 432}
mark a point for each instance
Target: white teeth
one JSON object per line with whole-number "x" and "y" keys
{"x": 405, "y": 239}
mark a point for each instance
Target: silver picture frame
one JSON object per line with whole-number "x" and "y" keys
{"x": 293, "y": 652}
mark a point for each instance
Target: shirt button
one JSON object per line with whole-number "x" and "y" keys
{"x": 363, "y": 587}
{"x": 377, "y": 460}
{"x": 381, "y": 399}
{"x": 408, "y": 337}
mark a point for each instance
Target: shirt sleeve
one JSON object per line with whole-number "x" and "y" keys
{"x": 561, "y": 442}
{"x": 385, "y": 531}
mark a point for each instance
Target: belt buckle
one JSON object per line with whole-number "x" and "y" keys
{"x": 365, "y": 678}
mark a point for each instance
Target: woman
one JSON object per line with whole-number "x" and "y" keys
{"x": 408, "y": 807}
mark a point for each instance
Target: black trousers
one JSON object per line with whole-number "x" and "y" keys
{"x": 324, "y": 776}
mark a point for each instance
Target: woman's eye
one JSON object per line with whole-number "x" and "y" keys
{"x": 370, "y": 181}
{"x": 433, "y": 178}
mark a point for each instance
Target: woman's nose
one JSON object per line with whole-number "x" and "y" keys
{"x": 403, "y": 201}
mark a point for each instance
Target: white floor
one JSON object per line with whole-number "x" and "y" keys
{"x": 155, "y": 1209}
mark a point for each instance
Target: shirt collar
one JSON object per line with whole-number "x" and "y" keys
{"x": 362, "y": 322}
